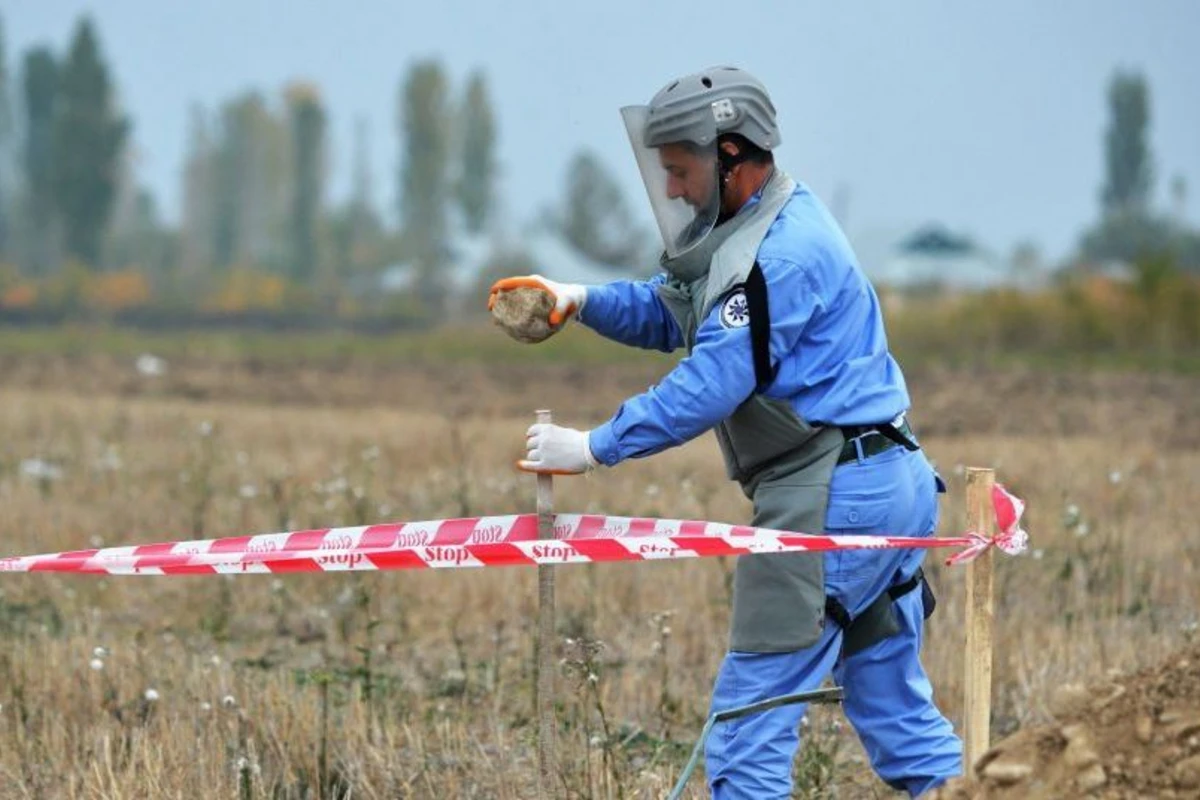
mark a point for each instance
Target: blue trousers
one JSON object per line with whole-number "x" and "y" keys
{"x": 888, "y": 697}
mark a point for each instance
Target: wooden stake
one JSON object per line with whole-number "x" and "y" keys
{"x": 544, "y": 643}
{"x": 977, "y": 705}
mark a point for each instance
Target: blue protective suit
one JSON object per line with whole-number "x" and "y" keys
{"x": 827, "y": 340}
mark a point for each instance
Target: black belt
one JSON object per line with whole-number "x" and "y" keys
{"x": 875, "y": 439}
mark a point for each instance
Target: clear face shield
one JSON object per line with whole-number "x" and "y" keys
{"x": 681, "y": 178}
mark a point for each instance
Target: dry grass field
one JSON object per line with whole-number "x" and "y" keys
{"x": 418, "y": 685}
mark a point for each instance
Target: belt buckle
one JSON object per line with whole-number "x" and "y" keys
{"x": 860, "y": 452}
{"x": 865, "y": 434}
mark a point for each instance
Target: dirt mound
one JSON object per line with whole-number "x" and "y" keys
{"x": 1134, "y": 736}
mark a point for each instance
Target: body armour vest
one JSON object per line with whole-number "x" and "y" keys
{"x": 782, "y": 463}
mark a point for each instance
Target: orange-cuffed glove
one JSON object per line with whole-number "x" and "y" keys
{"x": 555, "y": 450}
{"x": 568, "y": 297}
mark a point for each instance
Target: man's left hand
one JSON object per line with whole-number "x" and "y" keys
{"x": 553, "y": 450}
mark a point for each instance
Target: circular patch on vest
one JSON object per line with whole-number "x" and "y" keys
{"x": 735, "y": 311}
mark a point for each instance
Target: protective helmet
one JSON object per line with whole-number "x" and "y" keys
{"x": 674, "y": 139}
{"x": 699, "y": 107}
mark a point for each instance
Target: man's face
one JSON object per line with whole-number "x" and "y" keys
{"x": 691, "y": 176}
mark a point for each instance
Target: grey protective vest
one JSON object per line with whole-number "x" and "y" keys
{"x": 783, "y": 464}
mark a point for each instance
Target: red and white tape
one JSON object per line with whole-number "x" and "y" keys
{"x": 490, "y": 542}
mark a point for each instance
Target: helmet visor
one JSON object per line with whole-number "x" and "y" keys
{"x": 681, "y": 178}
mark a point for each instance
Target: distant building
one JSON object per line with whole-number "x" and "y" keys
{"x": 933, "y": 258}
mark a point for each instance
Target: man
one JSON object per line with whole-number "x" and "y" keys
{"x": 788, "y": 361}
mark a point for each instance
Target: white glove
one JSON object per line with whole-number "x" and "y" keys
{"x": 568, "y": 297}
{"x": 556, "y": 451}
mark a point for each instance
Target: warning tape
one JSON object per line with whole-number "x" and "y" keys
{"x": 493, "y": 542}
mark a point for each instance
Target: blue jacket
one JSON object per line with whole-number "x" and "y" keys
{"x": 827, "y": 339}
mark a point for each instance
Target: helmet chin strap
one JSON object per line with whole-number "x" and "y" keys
{"x": 726, "y": 160}
{"x": 725, "y": 163}
{"x": 723, "y": 175}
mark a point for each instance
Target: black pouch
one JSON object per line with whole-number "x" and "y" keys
{"x": 878, "y": 620}
{"x": 928, "y": 601}
{"x": 876, "y": 623}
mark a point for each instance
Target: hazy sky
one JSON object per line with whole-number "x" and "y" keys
{"x": 987, "y": 117}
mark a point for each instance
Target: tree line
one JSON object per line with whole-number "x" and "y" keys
{"x": 257, "y": 227}
{"x": 256, "y": 223}
{"x": 1130, "y": 228}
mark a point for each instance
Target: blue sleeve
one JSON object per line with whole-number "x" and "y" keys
{"x": 631, "y": 312}
{"x": 702, "y": 389}
{"x": 709, "y": 385}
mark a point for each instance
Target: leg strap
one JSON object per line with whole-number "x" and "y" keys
{"x": 877, "y": 621}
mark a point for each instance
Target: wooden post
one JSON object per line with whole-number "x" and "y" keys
{"x": 544, "y": 647}
{"x": 977, "y": 705}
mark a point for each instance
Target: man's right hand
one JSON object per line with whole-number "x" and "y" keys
{"x": 568, "y": 297}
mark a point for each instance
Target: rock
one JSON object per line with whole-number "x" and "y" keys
{"x": 953, "y": 789}
{"x": 1143, "y": 728}
{"x": 1114, "y": 693}
{"x": 1187, "y": 773}
{"x": 1068, "y": 700}
{"x": 1091, "y": 778}
{"x": 1079, "y": 754}
{"x": 1006, "y": 773}
{"x": 524, "y": 314}
{"x": 1184, "y": 730}
{"x": 1078, "y": 732}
